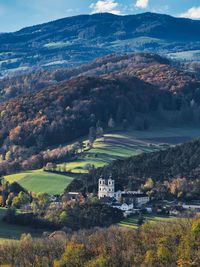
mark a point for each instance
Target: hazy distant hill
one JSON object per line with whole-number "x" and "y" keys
{"x": 74, "y": 40}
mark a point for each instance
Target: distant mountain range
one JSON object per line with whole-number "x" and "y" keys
{"x": 75, "y": 40}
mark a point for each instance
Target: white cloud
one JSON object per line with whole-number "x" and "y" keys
{"x": 192, "y": 13}
{"x": 142, "y": 3}
{"x": 103, "y": 6}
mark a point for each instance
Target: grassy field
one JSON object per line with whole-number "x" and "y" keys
{"x": 108, "y": 149}
{"x": 113, "y": 146}
{"x": 13, "y": 232}
{"x": 40, "y": 181}
{"x": 125, "y": 144}
{"x": 132, "y": 222}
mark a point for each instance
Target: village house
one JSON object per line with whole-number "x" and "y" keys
{"x": 137, "y": 199}
{"x": 74, "y": 196}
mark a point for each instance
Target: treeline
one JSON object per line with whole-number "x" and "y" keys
{"x": 153, "y": 244}
{"x": 70, "y": 217}
{"x": 164, "y": 167}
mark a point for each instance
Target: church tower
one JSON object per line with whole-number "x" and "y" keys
{"x": 106, "y": 187}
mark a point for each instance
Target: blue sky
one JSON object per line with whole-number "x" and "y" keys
{"x": 15, "y": 14}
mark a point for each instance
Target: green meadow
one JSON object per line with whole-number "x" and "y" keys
{"x": 107, "y": 149}
{"x": 40, "y": 181}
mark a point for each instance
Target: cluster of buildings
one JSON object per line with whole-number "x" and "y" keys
{"x": 132, "y": 202}
{"x": 127, "y": 201}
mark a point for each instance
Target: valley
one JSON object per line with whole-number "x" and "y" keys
{"x": 100, "y": 138}
{"x": 111, "y": 147}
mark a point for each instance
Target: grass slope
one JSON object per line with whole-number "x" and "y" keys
{"x": 8, "y": 231}
{"x": 108, "y": 149}
{"x": 40, "y": 181}
{"x": 121, "y": 145}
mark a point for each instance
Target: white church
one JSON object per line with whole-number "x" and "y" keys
{"x": 106, "y": 189}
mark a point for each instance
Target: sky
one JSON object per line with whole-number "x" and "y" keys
{"x": 16, "y": 14}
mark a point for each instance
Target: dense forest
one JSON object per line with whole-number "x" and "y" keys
{"x": 150, "y": 68}
{"x": 139, "y": 89}
{"x": 174, "y": 167}
{"x": 153, "y": 244}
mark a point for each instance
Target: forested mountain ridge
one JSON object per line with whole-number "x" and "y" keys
{"x": 74, "y": 40}
{"x": 148, "y": 67}
{"x": 65, "y": 112}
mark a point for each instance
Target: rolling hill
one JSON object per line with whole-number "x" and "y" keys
{"x": 150, "y": 68}
{"x": 62, "y": 113}
{"x": 75, "y": 40}
{"x": 139, "y": 90}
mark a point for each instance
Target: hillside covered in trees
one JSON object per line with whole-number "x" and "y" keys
{"x": 63, "y": 113}
{"x": 174, "y": 170}
{"x": 150, "y": 68}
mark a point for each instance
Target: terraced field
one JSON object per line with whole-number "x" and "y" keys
{"x": 107, "y": 149}
{"x": 125, "y": 144}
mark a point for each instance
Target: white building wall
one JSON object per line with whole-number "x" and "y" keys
{"x": 106, "y": 189}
